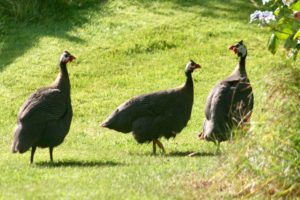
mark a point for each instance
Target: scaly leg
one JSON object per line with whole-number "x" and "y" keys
{"x": 160, "y": 145}
{"x": 51, "y": 153}
{"x": 32, "y": 154}
{"x": 154, "y": 147}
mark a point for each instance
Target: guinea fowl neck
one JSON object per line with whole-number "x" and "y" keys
{"x": 240, "y": 69}
{"x": 62, "y": 81}
{"x": 189, "y": 85}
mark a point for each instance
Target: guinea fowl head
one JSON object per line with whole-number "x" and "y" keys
{"x": 239, "y": 48}
{"x": 191, "y": 66}
{"x": 66, "y": 57}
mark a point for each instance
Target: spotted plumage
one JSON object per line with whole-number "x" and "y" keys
{"x": 45, "y": 118}
{"x": 229, "y": 103}
{"x": 158, "y": 114}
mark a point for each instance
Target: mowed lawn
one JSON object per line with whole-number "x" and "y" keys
{"x": 122, "y": 49}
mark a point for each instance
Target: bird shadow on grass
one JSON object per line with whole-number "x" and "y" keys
{"x": 78, "y": 163}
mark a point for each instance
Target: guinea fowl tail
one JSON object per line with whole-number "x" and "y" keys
{"x": 14, "y": 147}
{"x": 107, "y": 123}
{"x": 104, "y": 124}
{"x": 208, "y": 127}
{"x": 21, "y": 144}
{"x": 117, "y": 124}
{"x": 118, "y": 121}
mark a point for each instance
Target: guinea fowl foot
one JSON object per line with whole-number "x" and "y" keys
{"x": 160, "y": 145}
{"x": 201, "y": 136}
{"x": 192, "y": 154}
{"x": 32, "y": 154}
{"x": 218, "y": 151}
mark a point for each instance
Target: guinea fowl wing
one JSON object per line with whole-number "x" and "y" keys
{"x": 43, "y": 105}
{"x": 218, "y": 102}
{"x": 150, "y": 104}
{"x": 242, "y": 103}
{"x": 169, "y": 113}
{"x": 225, "y": 105}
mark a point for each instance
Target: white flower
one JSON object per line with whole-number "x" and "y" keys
{"x": 265, "y": 1}
{"x": 255, "y": 16}
{"x": 265, "y": 17}
{"x": 268, "y": 16}
{"x": 287, "y": 2}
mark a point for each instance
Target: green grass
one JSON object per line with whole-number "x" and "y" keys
{"x": 124, "y": 48}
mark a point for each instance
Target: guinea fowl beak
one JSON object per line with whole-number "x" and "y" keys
{"x": 71, "y": 58}
{"x": 196, "y": 66}
{"x": 233, "y": 48}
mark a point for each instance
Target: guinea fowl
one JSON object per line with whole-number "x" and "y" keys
{"x": 229, "y": 103}
{"x": 45, "y": 118}
{"x": 158, "y": 114}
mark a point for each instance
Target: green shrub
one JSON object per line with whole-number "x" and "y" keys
{"x": 267, "y": 162}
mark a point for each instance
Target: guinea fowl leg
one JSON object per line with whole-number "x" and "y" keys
{"x": 32, "y": 154}
{"x": 51, "y": 153}
{"x": 160, "y": 145}
{"x": 201, "y": 136}
{"x": 154, "y": 147}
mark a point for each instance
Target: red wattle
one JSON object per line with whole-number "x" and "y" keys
{"x": 231, "y": 48}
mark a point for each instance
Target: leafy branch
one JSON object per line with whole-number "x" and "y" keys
{"x": 283, "y": 21}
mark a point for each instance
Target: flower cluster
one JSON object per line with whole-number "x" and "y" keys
{"x": 265, "y": 17}
{"x": 283, "y": 22}
{"x": 285, "y": 2}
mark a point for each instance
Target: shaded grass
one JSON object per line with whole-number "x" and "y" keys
{"x": 24, "y": 22}
{"x": 77, "y": 163}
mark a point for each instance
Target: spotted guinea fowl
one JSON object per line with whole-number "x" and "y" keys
{"x": 45, "y": 118}
{"x": 229, "y": 103}
{"x": 158, "y": 114}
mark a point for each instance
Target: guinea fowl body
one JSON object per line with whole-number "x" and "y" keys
{"x": 154, "y": 115}
{"x": 45, "y": 118}
{"x": 229, "y": 104}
